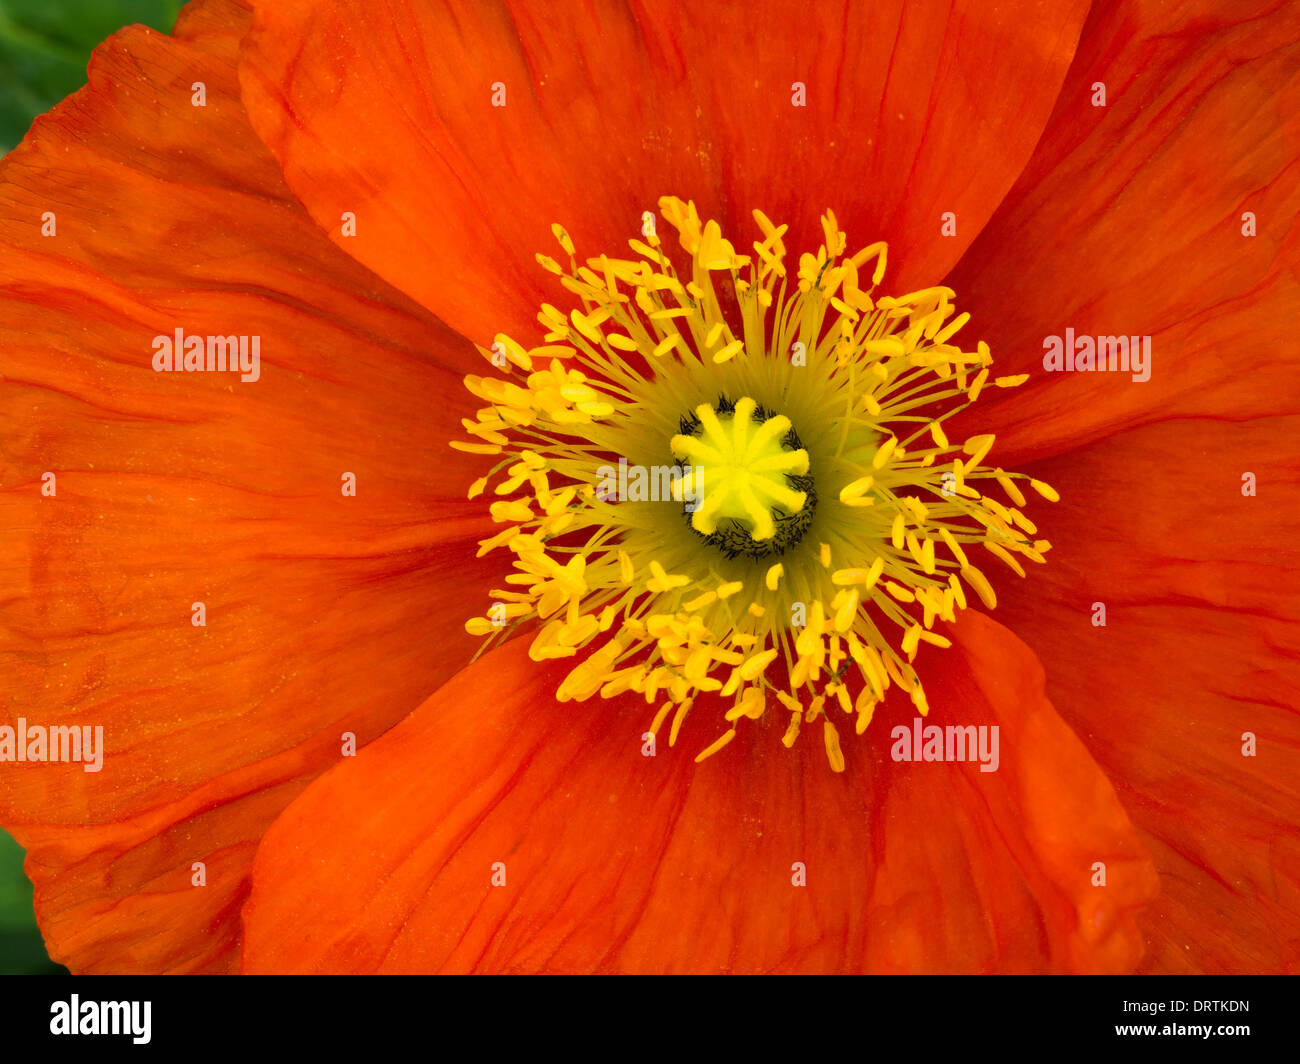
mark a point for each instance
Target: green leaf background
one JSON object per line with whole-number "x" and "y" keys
{"x": 44, "y": 47}
{"x": 21, "y": 950}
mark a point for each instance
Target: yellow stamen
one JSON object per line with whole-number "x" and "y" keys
{"x": 692, "y": 577}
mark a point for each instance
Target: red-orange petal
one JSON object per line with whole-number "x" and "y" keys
{"x": 325, "y": 614}
{"x": 1201, "y": 645}
{"x": 386, "y": 110}
{"x": 1128, "y": 221}
{"x": 614, "y": 861}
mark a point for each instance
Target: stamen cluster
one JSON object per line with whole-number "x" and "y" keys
{"x": 834, "y": 522}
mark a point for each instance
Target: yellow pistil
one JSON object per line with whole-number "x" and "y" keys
{"x": 738, "y": 470}
{"x": 753, "y": 505}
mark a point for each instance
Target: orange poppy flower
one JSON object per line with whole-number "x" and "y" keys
{"x": 243, "y": 578}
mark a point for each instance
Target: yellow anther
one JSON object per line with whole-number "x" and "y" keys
{"x": 700, "y": 601}
{"x": 979, "y": 583}
{"x": 848, "y": 577}
{"x": 661, "y": 581}
{"x": 847, "y": 610}
{"x": 833, "y": 752}
{"x": 517, "y": 511}
{"x": 773, "y": 576}
{"x": 714, "y": 747}
{"x": 1045, "y": 490}
{"x": 563, "y": 237}
{"x": 755, "y": 666}
{"x": 899, "y": 591}
{"x": 977, "y": 447}
{"x": 884, "y": 452}
{"x": 851, "y": 494}
{"x": 896, "y": 532}
{"x": 729, "y": 352}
